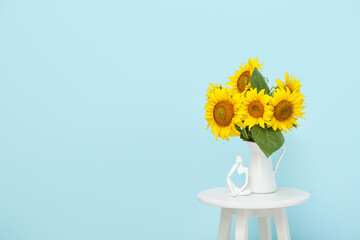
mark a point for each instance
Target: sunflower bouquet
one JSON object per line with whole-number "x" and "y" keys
{"x": 253, "y": 111}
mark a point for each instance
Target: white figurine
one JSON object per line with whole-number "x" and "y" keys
{"x": 234, "y": 190}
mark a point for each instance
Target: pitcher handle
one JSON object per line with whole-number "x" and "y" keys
{"x": 278, "y": 161}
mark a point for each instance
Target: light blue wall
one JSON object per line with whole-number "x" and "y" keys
{"x": 102, "y": 129}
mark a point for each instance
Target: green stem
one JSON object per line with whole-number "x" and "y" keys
{"x": 246, "y": 135}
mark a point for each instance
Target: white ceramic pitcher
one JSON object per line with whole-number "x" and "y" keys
{"x": 261, "y": 172}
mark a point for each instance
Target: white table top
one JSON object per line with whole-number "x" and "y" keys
{"x": 283, "y": 197}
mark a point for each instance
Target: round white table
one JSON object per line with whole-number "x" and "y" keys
{"x": 264, "y": 206}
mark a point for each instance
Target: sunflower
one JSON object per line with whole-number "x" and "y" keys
{"x": 290, "y": 82}
{"x": 255, "y": 108}
{"x": 240, "y": 83}
{"x": 222, "y": 113}
{"x": 287, "y": 109}
{"x": 212, "y": 88}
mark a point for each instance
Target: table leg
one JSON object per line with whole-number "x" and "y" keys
{"x": 282, "y": 225}
{"x": 242, "y": 224}
{"x": 265, "y": 228}
{"x": 225, "y": 224}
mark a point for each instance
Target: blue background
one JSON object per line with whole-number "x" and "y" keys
{"x": 102, "y": 129}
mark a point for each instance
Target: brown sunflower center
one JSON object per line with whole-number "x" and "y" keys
{"x": 223, "y": 113}
{"x": 243, "y": 80}
{"x": 283, "y": 110}
{"x": 256, "y": 109}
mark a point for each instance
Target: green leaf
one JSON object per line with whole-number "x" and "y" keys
{"x": 267, "y": 139}
{"x": 258, "y": 81}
